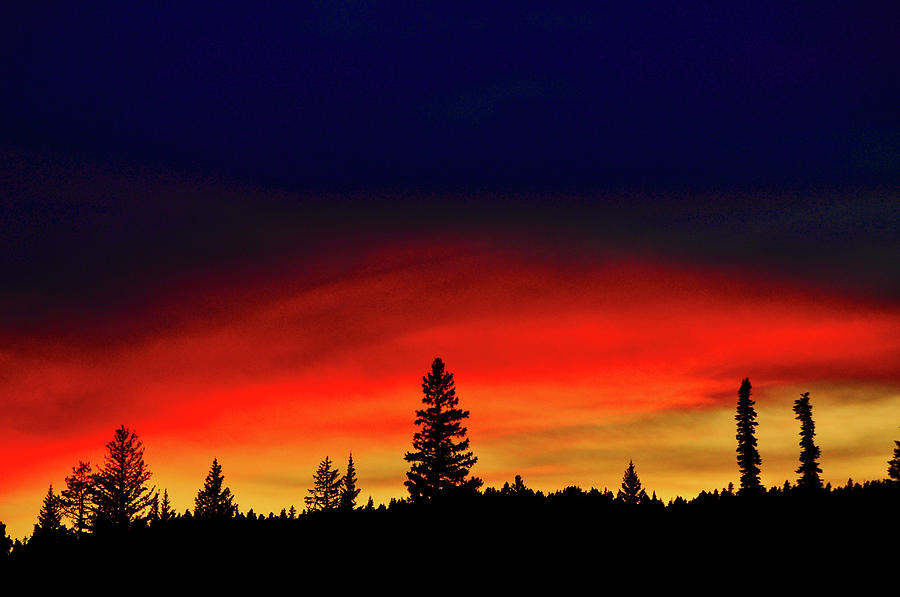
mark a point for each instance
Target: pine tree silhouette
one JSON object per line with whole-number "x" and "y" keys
{"x": 153, "y": 516}
{"x": 6, "y": 542}
{"x": 439, "y": 462}
{"x": 213, "y": 501}
{"x": 76, "y": 497}
{"x": 49, "y": 522}
{"x": 325, "y": 493}
{"x": 165, "y": 511}
{"x": 809, "y": 453}
{"x": 631, "y": 491}
{"x": 747, "y": 455}
{"x": 121, "y": 495}
{"x": 894, "y": 463}
{"x": 349, "y": 491}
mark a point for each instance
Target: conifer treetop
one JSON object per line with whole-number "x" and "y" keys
{"x": 121, "y": 494}
{"x": 809, "y": 452}
{"x": 441, "y": 459}
{"x": 214, "y": 501}
{"x": 747, "y": 454}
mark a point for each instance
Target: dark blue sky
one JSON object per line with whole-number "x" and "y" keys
{"x": 448, "y": 97}
{"x": 138, "y": 142}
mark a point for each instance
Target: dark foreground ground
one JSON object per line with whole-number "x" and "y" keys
{"x": 569, "y": 541}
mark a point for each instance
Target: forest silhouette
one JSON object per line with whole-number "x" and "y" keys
{"x": 111, "y": 513}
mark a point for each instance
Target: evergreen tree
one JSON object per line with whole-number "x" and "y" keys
{"x": 326, "y": 491}
{"x": 439, "y": 463}
{"x": 166, "y": 512}
{"x": 349, "y": 491}
{"x": 747, "y": 455}
{"x": 894, "y": 463}
{"x": 6, "y": 542}
{"x": 49, "y": 527}
{"x": 77, "y": 496}
{"x": 153, "y": 517}
{"x": 213, "y": 501}
{"x": 809, "y": 453}
{"x": 121, "y": 495}
{"x": 292, "y": 513}
{"x": 631, "y": 491}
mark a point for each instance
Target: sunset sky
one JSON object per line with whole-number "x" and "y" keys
{"x": 246, "y": 235}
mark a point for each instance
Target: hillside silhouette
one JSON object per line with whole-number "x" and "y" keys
{"x": 451, "y": 526}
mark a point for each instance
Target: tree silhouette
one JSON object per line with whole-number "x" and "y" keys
{"x": 49, "y": 527}
{"x": 631, "y": 491}
{"x": 153, "y": 516}
{"x": 121, "y": 494}
{"x": 747, "y": 455}
{"x": 326, "y": 490}
{"x": 6, "y": 542}
{"x": 165, "y": 511}
{"x": 213, "y": 501}
{"x": 76, "y": 497}
{"x": 517, "y": 488}
{"x": 894, "y": 463}
{"x": 349, "y": 491}
{"x": 809, "y": 453}
{"x": 439, "y": 462}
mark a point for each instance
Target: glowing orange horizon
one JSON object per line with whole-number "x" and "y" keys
{"x": 569, "y": 368}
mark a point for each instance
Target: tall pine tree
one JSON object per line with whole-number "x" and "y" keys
{"x": 51, "y": 514}
{"x": 631, "y": 492}
{"x": 325, "y": 494}
{"x": 441, "y": 458}
{"x": 121, "y": 496}
{"x": 49, "y": 528}
{"x": 349, "y": 491}
{"x": 747, "y": 455}
{"x": 213, "y": 501}
{"x": 166, "y": 512}
{"x": 76, "y": 497}
{"x": 809, "y": 452}
{"x": 894, "y": 463}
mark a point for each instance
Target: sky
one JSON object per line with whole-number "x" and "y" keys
{"x": 245, "y": 233}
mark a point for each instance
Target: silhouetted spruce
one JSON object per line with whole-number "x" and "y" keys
{"x": 153, "y": 515}
{"x": 517, "y": 488}
{"x": 809, "y": 453}
{"x": 747, "y": 455}
{"x": 631, "y": 491}
{"x": 213, "y": 501}
{"x": 76, "y": 497}
{"x": 326, "y": 490}
{"x": 121, "y": 497}
{"x": 6, "y": 542}
{"x": 349, "y": 491}
{"x": 49, "y": 522}
{"x": 894, "y": 463}
{"x": 439, "y": 463}
{"x": 166, "y": 512}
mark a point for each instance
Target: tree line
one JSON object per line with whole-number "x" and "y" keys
{"x": 118, "y": 497}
